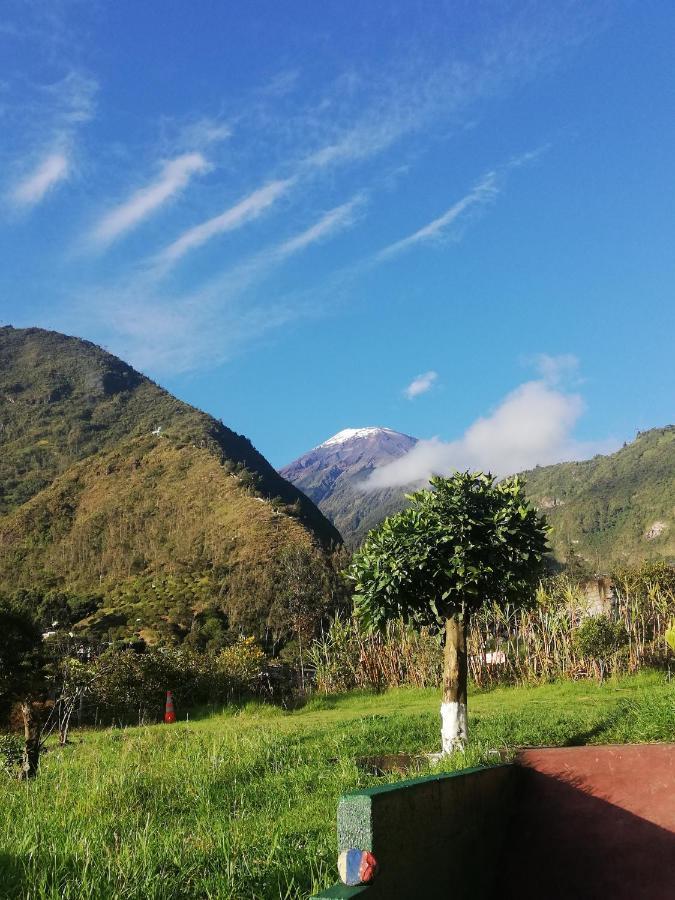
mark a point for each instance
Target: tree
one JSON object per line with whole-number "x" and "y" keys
{"x": 303, "y": 596}
{"x": 21, "y": 673}
{"x": 467, "y": 541}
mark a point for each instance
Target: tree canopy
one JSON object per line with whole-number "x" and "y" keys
{"x": 468, "y": 540}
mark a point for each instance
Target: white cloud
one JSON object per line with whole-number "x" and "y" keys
{"x": 47, "y": 122}
{"x": 532, "y": 426}
{"x": 169, "y": 333}
{"x": 73, "y": 99}
{"x": 420, "y": 385}
{"x": 554, "y": 369}
{"x": 484, "y": 192}
{"x": 334, "y": 220}
{"x": 176, "y": 173}
{"x": 53, "y": 169}
{"x": 247, "y": 209}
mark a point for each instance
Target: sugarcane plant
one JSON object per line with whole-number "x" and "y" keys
{"x": 467, "y": 541}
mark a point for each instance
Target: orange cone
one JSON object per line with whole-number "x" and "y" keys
{"x": 169, "y": 713}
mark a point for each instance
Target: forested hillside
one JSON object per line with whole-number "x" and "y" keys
{"x": 63, "y": 399}
{"x": 612, "y": 509}
{"x": 134, "y": 513}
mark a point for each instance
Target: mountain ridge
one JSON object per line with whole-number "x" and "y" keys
{"x": 613, "y": 509}
{"x": 109, "y": 401}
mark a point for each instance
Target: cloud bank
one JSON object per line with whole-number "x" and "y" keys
{"x": 533, "y": 425}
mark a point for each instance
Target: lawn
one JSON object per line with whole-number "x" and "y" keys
{"x": 241, "y": 803}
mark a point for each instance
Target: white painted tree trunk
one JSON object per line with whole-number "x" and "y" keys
{"x": 454, "y": 732}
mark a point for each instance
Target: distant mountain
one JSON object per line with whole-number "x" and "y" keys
{"x": 333, "y": 476}
{"x": 106, "y": 477}
{"x": 610, "y": 510}
{"x": 614, "y": 509}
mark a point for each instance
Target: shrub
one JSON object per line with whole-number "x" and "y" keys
{"x": 11, "y": 752}
{"x": 598, "y": 639}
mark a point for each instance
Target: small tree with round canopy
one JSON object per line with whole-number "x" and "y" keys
{"x": 467, "y": 541}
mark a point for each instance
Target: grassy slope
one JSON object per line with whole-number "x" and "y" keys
{"x": 607, "y": 504}
{"x": 63, "y": 399}
{"x": 242, "y": 805}
{"x": 148, "y": 505}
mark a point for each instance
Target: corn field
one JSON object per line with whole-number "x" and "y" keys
{"x": 561, "y": 634}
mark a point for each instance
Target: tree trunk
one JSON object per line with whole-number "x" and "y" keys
{"x": 453, "y": 708}
{"x": 31, "y": 752}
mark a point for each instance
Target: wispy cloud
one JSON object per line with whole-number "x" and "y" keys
{"x": 420, "y": 385}
{"x": 484, "y": 192}
{"x": 330, "y": 223}
{"x": 51, "y": 120}
{"x": 175, "y": 175}
{"x": 556, "y": 369}
{"x": 169, "y": 332}
{"x": 47, "y": 174}
{"x": 246, "y": 210}
{"x": 533, "y": 425}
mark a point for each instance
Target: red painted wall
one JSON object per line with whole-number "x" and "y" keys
{"x": 594, "y": 822}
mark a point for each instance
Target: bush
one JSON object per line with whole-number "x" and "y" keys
{"x": 131, "y": 687}
{"x": 11, "y": 752}
{"x": 598, "y": 639}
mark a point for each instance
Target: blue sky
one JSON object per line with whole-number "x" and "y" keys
{"x": 453, "y": 219}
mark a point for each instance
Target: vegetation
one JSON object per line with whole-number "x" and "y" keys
{"x": 612, "y": 510}
{"x": 466, "y": 542}
{"x": 20, "y": 651}
{"x": 558, "y": 636}
{"x": 242, "y": 805}
{"x": 63, "y": 399}
{"x": 120, "y": 532}
{"x": 158, "y": 539}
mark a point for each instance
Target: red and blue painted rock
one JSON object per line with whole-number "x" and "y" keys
{"x": 356, "y": 867}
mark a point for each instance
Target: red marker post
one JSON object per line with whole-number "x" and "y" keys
{"x": 169, "y": 712}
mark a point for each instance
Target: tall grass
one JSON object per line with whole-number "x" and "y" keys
{"x": 242, "y": 805}
{"x": 505, "y": 644}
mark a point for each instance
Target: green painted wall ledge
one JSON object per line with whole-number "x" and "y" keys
{"x": 431, "y": 836}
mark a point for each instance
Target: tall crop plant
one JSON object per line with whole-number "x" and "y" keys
{"x": 505, "y": 644}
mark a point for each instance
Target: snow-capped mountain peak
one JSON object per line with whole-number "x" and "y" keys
{"x": 350, "y": 434}
{"x": 333, "y": 475}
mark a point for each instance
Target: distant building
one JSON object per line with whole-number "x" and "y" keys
{"x": 599, "y": 594}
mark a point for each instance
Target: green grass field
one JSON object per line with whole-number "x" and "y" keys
{"x": 241, "y": 804}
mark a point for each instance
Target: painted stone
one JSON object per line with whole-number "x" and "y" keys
{"x": 356, "y": 867}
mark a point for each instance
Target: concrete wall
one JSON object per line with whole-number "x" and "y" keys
{"x": 439, "y": 836}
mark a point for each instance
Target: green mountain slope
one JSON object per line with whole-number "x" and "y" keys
{"x": 131, "y": 513}
{"x": 612, "y": 509}
{"x": 63, "y": 399}
{"x": 130, "y": 524}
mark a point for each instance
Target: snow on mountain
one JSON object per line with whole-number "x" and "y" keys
{"x": 349, "y": 434}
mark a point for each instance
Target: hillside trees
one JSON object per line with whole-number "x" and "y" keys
{"x": 467, "y": 541}
{"x": 21, "y": 673}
